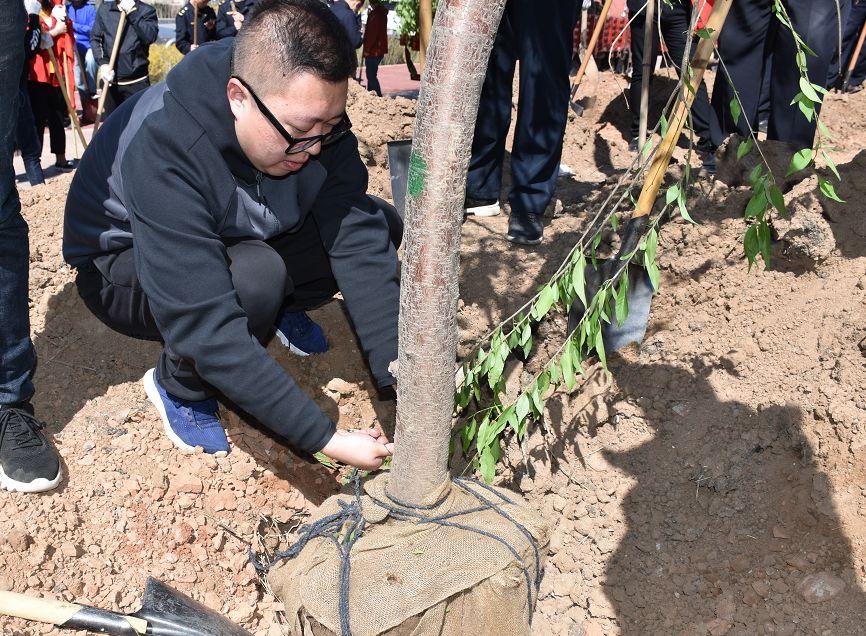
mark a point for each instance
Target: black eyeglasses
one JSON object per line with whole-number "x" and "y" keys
{"x": 299, "y": 144}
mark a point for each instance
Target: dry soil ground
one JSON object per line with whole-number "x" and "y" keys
{"x": 715, "y": 485}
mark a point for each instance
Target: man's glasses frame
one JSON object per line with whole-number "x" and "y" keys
{"x": 299, "y": 144}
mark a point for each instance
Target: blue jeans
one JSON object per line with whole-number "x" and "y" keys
{"x": 17, "y": 356}
{"x": 372, "y": 64}
{"x": 86, "y": 83}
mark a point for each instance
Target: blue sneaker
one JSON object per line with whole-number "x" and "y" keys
{"x": 300, "y": 334}
{"x": 187, "y": 424}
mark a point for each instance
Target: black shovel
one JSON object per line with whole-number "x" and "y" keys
{"x": 399, "y": 153}
{"x": 164, "y": 612}
{"x": 640, "y": 289}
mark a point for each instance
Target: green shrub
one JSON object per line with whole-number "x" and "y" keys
{"x": 162, "y": 58}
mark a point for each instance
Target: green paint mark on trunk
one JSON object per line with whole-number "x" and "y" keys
{"x": 417, "y": 175}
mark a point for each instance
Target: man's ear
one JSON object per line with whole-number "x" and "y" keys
{"x": 238, "y": 98}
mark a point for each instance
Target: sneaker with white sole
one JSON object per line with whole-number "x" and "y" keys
{"x": 297, "y": 331}
{"x": 28, "y": 462}
{"x": 481, "y": 207}
{"x": 188, "y": 424}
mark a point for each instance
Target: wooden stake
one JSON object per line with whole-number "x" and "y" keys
{"x": 63, "y": 89}
{"x": 648, "y": 70}
{"x": 111, "y": 62}
{"x": 195, "y": 25}
{"x": 425, "y": 25}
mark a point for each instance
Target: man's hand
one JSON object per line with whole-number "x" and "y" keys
{"x": 127, "y": 6}
{"x": 59, "y": 28}
{"x": 106, "y": 73}
{"x": 46, "y": 41}
{"x": 193, "y": 47}
{"x": 209, "y": 24}
{"x": 365, "y": 449}
{"x": 238, "y": 17}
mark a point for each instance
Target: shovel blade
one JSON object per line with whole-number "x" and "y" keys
{"x": 398, "y": 167}
{"x": 172, "y": 613}
{"x": 633, "y": 328}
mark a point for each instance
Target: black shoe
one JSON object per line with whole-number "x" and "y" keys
{"x": 28, "y": 463}
{"x": 525, "y": 229}
{"x": 632, "y": 145}
{"x": 64, "y": 165}
{"x": 763, "y": 126}
{"x": 856, "y": 88}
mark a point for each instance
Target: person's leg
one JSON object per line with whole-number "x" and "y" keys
{"x": 815, "y": 22}
{"x": 372, "y": 64}
{"x": 857, "y": 23}
{"x": 837, "y": 66}
{"x": 743, "y": 49}
{"x": 544, "y": 42}
{"x": 80, "y": 76}
{"x": 637, "y": 17}
{"x": 56, "y": 130}
{"x": 484, "y": 178}
{"x": 90, "y": 69}
{"x": 28, "y": 142}
{"x": 37, "y": 93}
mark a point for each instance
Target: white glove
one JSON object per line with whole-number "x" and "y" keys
{"x": 33, "y": 7}
{"x": 127, "y": 6}
{"x": 46, "y": 41}
{"x": 106, "y": 73}
{"x": 59, "y": 13}
{"x": 238, "y": 20}
{"x": 587, "y": 4}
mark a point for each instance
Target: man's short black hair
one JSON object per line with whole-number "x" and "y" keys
{"x": 282, "y": 38}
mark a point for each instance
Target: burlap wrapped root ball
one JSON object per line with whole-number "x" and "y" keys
{"x": 417, "y": 578}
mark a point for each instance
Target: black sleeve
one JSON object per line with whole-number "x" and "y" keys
{"x": 97, "y": 39}
{"x": 34, "y": 33}
{"x": 145, "y": 23}
{"x": 184, "y": 270}
{"x": 181, "y": 36}
{"x": 364, "y": 261}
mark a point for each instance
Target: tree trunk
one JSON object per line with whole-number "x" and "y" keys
{"x": 425, "y": 24}
{"x": 448, "y": 105}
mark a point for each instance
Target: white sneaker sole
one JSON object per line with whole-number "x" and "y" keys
{"x": 289, "y": 345}
{"x": 491, "y": 209}
{"x": 150, "y": 389}
{"x": 37, "y": 485}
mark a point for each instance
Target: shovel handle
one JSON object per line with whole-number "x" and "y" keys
{"x": 590, "y": 48}
{"x": 662, "y": 158}
{"x": 70, "y": 615}
{"x": 111, "y": 63}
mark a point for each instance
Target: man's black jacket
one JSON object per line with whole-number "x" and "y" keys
{"x": 141, "y": 30}
{"x": 184, "y": 31}
{"x": 166, "y": 174}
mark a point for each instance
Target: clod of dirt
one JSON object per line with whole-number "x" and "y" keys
{"x": 806, "y": 232}
{"x": 735, "y": 172}
{"x": 817, "y": 588}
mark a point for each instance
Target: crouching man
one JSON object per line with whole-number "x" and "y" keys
{"x": 216, "y": 207}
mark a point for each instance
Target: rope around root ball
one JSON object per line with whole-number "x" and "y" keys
{"x": 345, "y": 527}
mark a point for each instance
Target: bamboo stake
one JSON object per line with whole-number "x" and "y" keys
{"x": 111, "y": 62}
{"x": 648, "y": 70}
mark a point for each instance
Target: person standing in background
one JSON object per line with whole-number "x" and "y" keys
{"x": 853, "y": 23}
{"x": 130, "y": 74}
{"x": 83, "y": 14}
{"x": 187, "y": 36}
{"x": 26, "y": 137}
{"x": 231, "y": 15}
{"x": 348, "y": 12}
{"x": 28, "y": 462}
{"x": 376, "y": 42}
{"x": 43, "y": 84}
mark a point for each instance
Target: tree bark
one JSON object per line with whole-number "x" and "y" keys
{"x": 459, "y": 50}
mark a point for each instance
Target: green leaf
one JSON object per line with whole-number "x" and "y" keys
{"x": 757, "y": 205}
{"x": 764, "y": 241}
{"x": 622, "y": 298}
{"x": 488, "y": 465}
{"x": 599, "y": 348}
{"x": 831, "y": 164}
{"x": 537, "y": 402}
{"x": 663, "y": 128}
{"x": 654, "y": 274}
{"x": 828, "y": 190}
{"x": 484, "y": 432}
{"x": 777, "y": 199}
{"x": 744, "y": 148}
{"x": 545, "y": 300}
{"x": 578, "y": 280}
{"x": 467, "y": 434}
{"x": 522, "y": 407}
{"x": 554, "y": 374}
{"x": 736, "y": 111}
{"x": 751, "y": 245}
{"x": 681, "y": 205}
{"x": 800, "y": 160}
{"x": 672, "y": 194}
{"x": 755, "y": 176}
{"x": 567, "y": 368}
{"x": 614, "y": 221}
{"x": 705, "y": 34}
{"x": 807, "y": 90}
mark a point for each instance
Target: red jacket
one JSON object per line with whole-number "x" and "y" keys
{"x": 41, "y": 69}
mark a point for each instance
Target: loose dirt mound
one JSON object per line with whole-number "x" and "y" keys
{"x": 715, "y": 486}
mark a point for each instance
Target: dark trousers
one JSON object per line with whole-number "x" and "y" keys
{"x": 26, "y": 137}
{"x": 674, "y": 21}
{"x": 372, "y": 67}
{"x": 542, "y": 40}
{"x": 290, "y": 272}
{"x": 119, "y": 93}
{"x": 17, "y": 357}
{"x": 751, "y": 36}
{"x": 852, "y": 25}
{"x": 48, "y": 107}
